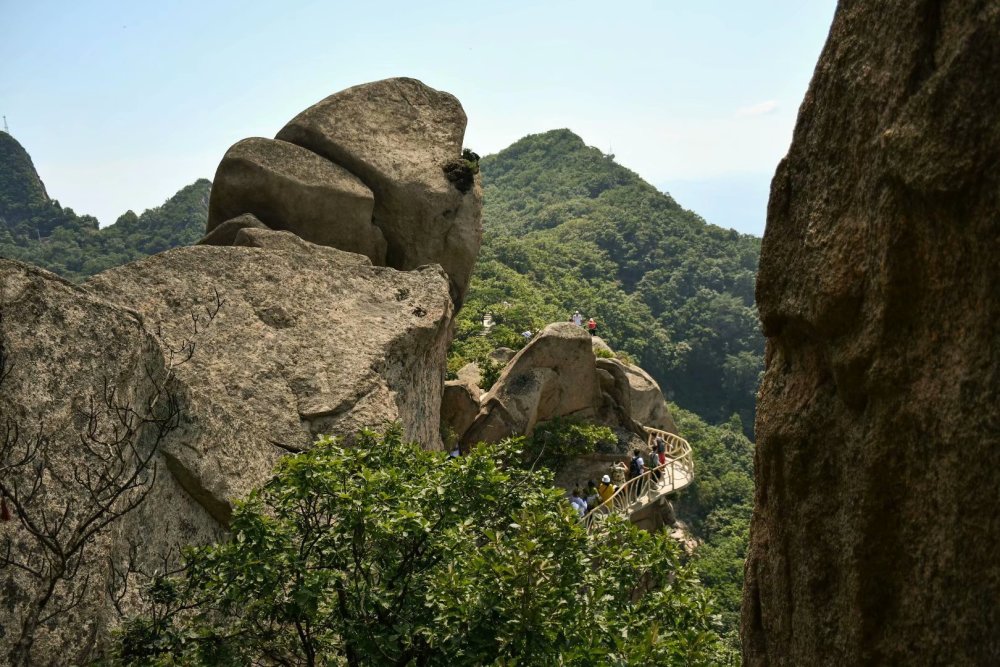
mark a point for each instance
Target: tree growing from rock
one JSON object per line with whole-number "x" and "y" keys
{"x": 56, "y": 506}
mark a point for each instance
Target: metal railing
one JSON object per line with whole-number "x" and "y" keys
{"x": 676, "y": 473}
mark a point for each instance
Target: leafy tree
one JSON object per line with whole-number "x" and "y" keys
{"x": 719, "y": 503}
{"x": 385, "y": 554}
{"x": 560, "y": 439}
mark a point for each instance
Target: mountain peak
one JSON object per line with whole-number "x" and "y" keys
{"x": 20, "y": 186}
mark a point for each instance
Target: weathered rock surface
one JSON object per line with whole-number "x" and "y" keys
{"x": 470, "y": 374}
{"x": 502, "y": 355}
{"x": 397, "y": 136}
{"x": 616, "y": 395}
{"x": 459, "y": 406}
{"x": 557, "y": 375}
{"x": 600, "y": 345}
{"x": 876, "y": 529}
{"x": 648, "y": 407}
{"x": 552, "y": 376}
{"x": 300, "y": 346}
{"x": 291, "y": 188}
{"x": 65, "y": 347}
{"x": 225, "y": 232}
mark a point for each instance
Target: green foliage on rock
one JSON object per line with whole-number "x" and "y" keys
{"x": 385, "y": 554}
{"x": 555, "y": 441}
{"x": 566, "y": 228}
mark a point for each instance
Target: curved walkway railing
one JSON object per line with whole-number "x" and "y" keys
{"x": 640, "y": 491}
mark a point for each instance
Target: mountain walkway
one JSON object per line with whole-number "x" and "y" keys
{"x": 640, "y": 492}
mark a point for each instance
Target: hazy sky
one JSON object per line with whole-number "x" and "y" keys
{"x": 122, "y": 103}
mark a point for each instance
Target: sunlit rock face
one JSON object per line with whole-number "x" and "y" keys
{"x": 876, "y": 529}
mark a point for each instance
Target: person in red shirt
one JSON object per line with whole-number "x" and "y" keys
{"x": 592, "y": 326}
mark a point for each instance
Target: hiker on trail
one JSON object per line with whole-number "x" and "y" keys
{"x": 605, "y": 489}
{"x": 578, "y": 503}
{"x": 578, "y": 319}
{"x": 636, "y": 466}
{"x": 656, "y": 460}
{"x": 592, "y": 326}
{"x": 593, "y": 497}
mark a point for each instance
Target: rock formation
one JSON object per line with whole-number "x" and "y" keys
{"x": 225, "y": 233}
{"x": 459, "y": 407}
{"x": 375, "y": 169}
{"x": 552, "y": 376}
{"x": 287, "y": 320}
{"x": 875, "y": 535}
{"x": 66, "y": 351}
{"x": 557, "y": 375}
{"x": 399, "y": 136}
{"x": 304, "y": 343}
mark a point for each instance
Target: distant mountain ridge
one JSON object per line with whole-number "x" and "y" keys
{"x": 39, "y": 230}
{"x": 20, "y": 185}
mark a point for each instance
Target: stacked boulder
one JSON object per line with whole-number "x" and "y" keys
{"x": 376, "y": 169}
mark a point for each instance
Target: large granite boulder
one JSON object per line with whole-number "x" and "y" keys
{"x": 291, "y": 188}
{"x": 306, "y": 340}
{"x": 875, "y": 535}
{"x": 552, "y": 376}
{"x": 400, "y": 137}
{"x": 73, "y": 364}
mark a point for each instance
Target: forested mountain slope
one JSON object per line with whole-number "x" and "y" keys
{"x": 36, "y": 229}
{"x": 566, "y": 228}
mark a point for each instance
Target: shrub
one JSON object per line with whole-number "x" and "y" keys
{"x": 384, "y": 553}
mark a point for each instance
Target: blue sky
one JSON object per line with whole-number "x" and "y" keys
{"x": 122, "y": 103}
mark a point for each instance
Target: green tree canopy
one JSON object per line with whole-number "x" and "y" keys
{"x": 385, "y": 554}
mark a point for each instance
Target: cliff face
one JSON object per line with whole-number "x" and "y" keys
{"x": 876, "y": 526}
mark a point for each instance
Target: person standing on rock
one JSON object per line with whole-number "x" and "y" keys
{"x": 578, "y": 319}
{"x": 592, "y": 326}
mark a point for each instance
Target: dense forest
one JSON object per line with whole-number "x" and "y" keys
{"x": 565, "y": 229}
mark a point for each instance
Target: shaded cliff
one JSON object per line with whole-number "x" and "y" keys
{"x": 875, "y": 532}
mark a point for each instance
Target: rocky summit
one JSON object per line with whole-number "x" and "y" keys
{"x": 375, "y": 169}
{"x": 875, "y": 534}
